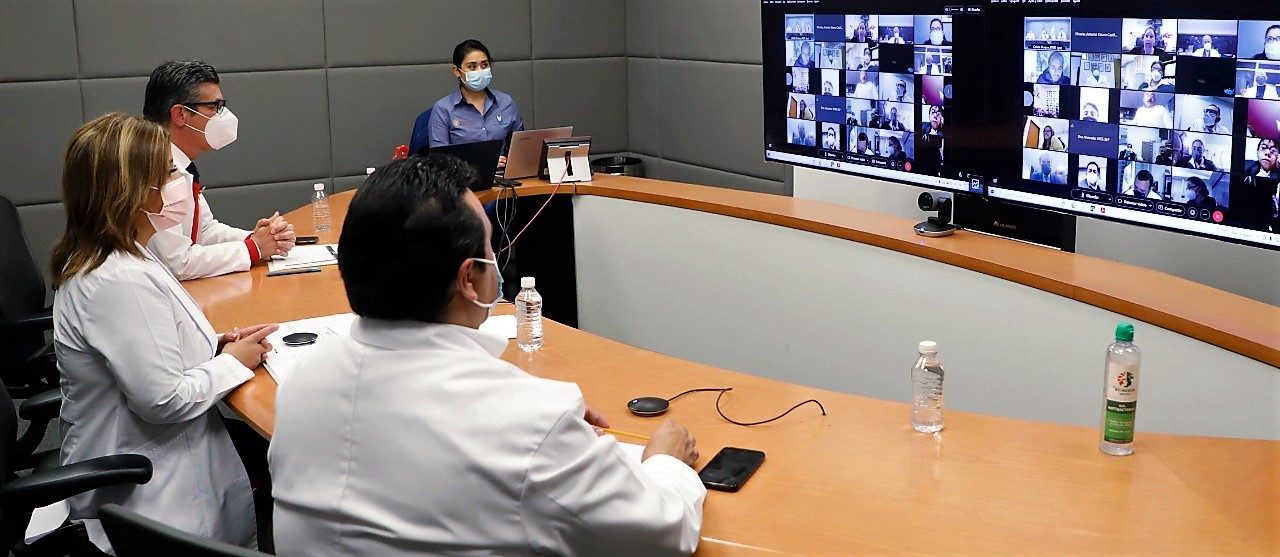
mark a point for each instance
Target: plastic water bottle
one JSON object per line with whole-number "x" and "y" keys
{"x": 320, "y": 210}
{"x": 926, "y": 390}
{"x": 1120, "y": 392}
{"x": 528, "y": 317}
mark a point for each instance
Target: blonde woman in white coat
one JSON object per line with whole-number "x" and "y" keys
{"x": 141, "y": 368}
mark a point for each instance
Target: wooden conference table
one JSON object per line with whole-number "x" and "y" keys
{"x": 860, "y": 480}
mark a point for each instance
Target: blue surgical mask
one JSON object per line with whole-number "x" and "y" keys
{"x": 477, "y": 80}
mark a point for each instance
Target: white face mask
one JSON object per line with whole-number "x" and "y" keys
{"x": 1272, "y": 50}
{"x": 176, "y": 196}
{"x": 221, "y": 130}
{"x": 489, "y": 306}
{"x": 935, "y": 37}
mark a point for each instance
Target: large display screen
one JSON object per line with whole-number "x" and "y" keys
{"x": 879, "y": 92}
{"x": 1164, "y": 121}
{"x": 1158, "y": 115}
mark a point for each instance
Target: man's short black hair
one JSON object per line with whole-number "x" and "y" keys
{"x": 407, "y": 230}
{"x": 175, "y": 82}
{"x": 1144, "y": 175}
{"x": 466, "y": 47}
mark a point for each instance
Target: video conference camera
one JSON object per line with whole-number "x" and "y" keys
{"x": 940, "y": 225}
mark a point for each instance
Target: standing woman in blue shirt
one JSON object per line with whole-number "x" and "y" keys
{"x": 474, "y": 112}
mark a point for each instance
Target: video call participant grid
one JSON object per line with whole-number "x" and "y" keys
{"x": 1146, "y": 108}
{"x": 864, "y": 86}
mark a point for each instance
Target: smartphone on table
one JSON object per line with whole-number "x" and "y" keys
{"x": 730, "y": 468}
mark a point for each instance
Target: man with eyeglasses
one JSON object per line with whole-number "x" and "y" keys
{"x": 937, "y": 33}
{"x": 1211, "y": 121}
{"x": 1256, "y": 194}
{"x": 186, "y": 97}
{"x": 1270, "y": 44}
{"x": 1266, "y": 165}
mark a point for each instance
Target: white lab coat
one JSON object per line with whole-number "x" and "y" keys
{"x": 139, "y": 375}
{"x": 1268, "y": 92}
{"x": 410, "y": 438}
{"x": 220, "y": 248}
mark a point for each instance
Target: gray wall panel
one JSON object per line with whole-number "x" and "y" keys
{"x": 36, "y": 120}
{"x": 644, "y": 105}
{"x": 132, "y": 37}
{"x": 43, "y": 226}
{"x": 119, "y": 94}
{"x": 373, "y": 109}
{"x": 587, "y": 94}
{"x": 642, "y": 28}
{"x": 693, "y": 174}
{"x": 713, "y": 118}
{"x": 388, "y": 32}
{"x": 44, "y": 32}
{"x": 715, "y": 30}
{"x": 344, "y": 183}
{"x": 693, "y": 92}
{"x": 243, "y": 206}
{"x": 579, "y": 28}
{"x": 284, "y": 129}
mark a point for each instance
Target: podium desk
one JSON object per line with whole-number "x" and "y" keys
{"x": 860, "y": 480}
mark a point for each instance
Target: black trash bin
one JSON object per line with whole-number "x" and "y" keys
{"x": 618, "y": 166}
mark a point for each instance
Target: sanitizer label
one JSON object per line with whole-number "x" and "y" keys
{"x": 1122, "y": 403}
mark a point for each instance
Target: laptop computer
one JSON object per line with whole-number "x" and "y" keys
{"x": 525, "y": 155}
{"x": 481, "y": 155}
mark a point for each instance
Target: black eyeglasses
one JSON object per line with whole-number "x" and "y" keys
{"x": 217, "y": 105}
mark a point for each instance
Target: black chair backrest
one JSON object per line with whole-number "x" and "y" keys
{"x": 132, "y": 534}
{"x": 8, "y": 435}
{"x": 21, "y": 284}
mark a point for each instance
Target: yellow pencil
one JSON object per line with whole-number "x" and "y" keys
{"x": 621, "y": 433}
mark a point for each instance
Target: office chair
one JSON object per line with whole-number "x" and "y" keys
{"x": 132, "y": 534}
{"x": 27, "y": 363}
{"x": 48, "y": 483}
{"x": 421, "y": 132}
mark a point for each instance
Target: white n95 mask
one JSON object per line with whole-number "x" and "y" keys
{"x": 221, "y": 130}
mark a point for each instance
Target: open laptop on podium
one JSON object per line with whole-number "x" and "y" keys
{"x": 525, "y": 156}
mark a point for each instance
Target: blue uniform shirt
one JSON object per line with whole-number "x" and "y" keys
{"x": 454, "y": 120}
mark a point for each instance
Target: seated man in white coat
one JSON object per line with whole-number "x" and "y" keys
{"x": 412, "y": 437}
{"x": 186, "y": 97}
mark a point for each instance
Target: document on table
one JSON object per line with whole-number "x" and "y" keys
{"x": 305, "y": 256}
{"x": 282, "y": 359}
